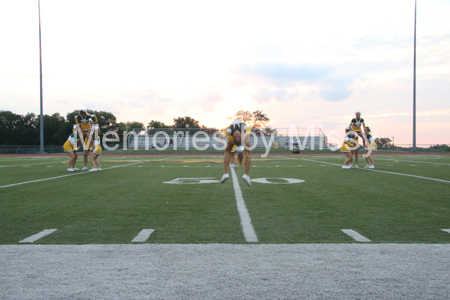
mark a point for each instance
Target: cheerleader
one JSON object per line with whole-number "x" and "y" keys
{"x": 347, "y": 147}
{"x": 370, "y": 149}
{"x": 233, "y": 151}
{"x": 234, "y": 140}
{"x": 70, "y": 147}
{"x": 96, "y": 149}
{"x": 356, "y": 123}
{"x": 85, "y": 121}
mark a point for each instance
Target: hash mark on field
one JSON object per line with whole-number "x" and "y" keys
{"x": 446, "y": 230}
{"x": 246, "y": 222}
{"x": 143, "y": 236}
{"x": 37, "y": 236}
{"x": 355, "y": 235}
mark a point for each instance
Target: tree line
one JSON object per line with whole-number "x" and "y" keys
{"x": 16, "y": 129}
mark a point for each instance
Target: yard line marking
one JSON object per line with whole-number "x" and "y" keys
{"x": 356, "y": 236}
{"x": 411, "y": 161}
{"x": 246, "y": 222}
{"x": 48, "y": 163}
{"x": 143, "y": 236}
{"x": 446, "y": 230}
{"x": 38, "y": 236}
{"x": 394, "y": 173}
{"x": 56, "y": 177}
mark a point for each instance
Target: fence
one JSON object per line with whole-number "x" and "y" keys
{"x": 188, "y": 138}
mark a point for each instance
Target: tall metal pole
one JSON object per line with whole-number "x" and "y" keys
{"x": 40, "y": 76}
{"x": 414, "y": 80}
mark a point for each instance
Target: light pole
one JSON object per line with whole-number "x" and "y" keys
{"x": 40, "y": 76}
{"x": 414, "y": 80}
{"x": 393, "y": 143}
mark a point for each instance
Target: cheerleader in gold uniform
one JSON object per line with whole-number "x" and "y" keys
{"x": 85, "y": 121}
{"x": 96, "y": 150}
{"x": 70, "y": 147}
{"x": 370, "y": 149}
{"x": 348, "y": 147}
{"x": 235, "y": 142}
{"x": 357, "y": 123}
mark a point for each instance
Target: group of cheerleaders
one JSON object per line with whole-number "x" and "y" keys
{"x": 235, "y": 144}
{"x": 87, "y": 124}
{"x": 351, "y": 143}
{"x": 87, "y": 130}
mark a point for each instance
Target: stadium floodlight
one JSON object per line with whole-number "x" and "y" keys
{"x": 414, "y": 80}
{"x": 40, "y": 77}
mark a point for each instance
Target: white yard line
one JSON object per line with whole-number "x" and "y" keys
{"x": 56, "y": 177}
{"x": 246, "y": 222}
{"x": 43, "y": 163}
{"x": 355, "y": 235}
{"x": 446, "y": 230}
{"x": 143, "y": 236}
{"x": 394, "y": 173}
{"x": 412, "y": 161}
{"x": 38, "y": 236}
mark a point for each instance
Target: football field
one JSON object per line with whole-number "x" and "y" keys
{"x": 175, "y": 199}
{"x": 163, "y": 227}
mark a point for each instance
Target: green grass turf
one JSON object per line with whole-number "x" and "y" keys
{"x": 113, "y": 205}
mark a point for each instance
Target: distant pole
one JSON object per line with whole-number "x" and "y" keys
{"x": 40, "y": 76}
{"x": 414, "y": 80}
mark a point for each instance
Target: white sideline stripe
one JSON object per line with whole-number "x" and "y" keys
{"x": 394, "y": 173}
{"x": 446, "y": 230}
{"x": 56, "y": 177}
{"x": 37, "y": 236}
{"x": 43, "y": 163}
{"x": 143, "y": 236}
{"x": 246, "y": 222}
{"x": 356, "y": 236}
{"x": 411, "y": 161}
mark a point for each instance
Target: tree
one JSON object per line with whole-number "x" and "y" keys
{"x": 56, "y": 129}
{"x": 106, "y": 121}
{"x": 181, "y": 122}
{"x": 130, "y": 126}
{"x": 257, "y": 119}
{"x": 157, "y": 124}
{"x": 382, "y": 142}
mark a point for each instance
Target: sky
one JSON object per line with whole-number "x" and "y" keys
{"x": 301, "y": 62}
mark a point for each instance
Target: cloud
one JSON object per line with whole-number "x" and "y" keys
{"x": 332, "y": 85}
{"x": 335, "y": 93}
{"x": 208, "y": 101}
{"x": 284, "y": 74}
